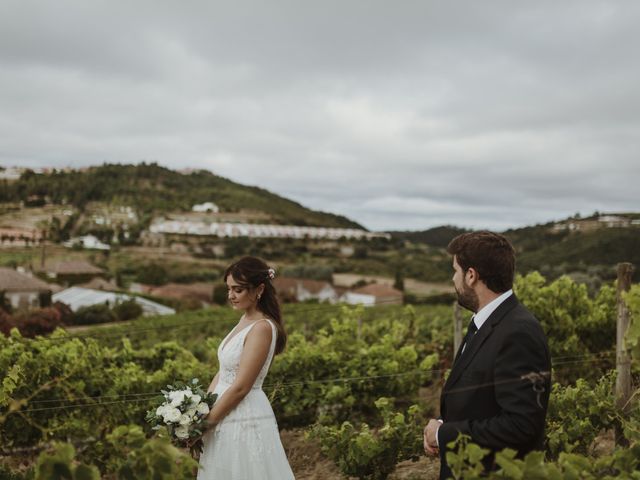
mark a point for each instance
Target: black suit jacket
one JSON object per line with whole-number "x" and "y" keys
{"x": 484, "y": 396}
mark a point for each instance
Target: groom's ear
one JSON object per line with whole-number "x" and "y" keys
{"x": 471, "y": 276}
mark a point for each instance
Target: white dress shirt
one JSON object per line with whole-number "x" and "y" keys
{"x": 486, "y": 311}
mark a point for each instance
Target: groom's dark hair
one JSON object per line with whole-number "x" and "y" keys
{"x": 490, "y": 254}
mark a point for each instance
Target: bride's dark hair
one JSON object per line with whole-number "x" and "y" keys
{"x": 251, "y": 272}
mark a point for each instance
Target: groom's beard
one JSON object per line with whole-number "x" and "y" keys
{"x": 468, "y": 298}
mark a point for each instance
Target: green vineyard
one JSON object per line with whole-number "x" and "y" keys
{"x": 360, "y": 383}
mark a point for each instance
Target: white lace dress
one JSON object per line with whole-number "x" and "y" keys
{"x": 246, "y": 444}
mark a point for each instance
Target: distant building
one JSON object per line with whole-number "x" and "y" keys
{"x": 11, "y": 173}
{"x": 22, "y": 291}
{"x": 591, "y": 224}
{"x": 300, "y": 290}
{"x": 206, "y": 207}
{"x": 98, "y": 283}
{"x": 20, "y": 237}
{"x": 347, "y": 250}
{"x": 255, "y": 230}
{"x": 614, "y": 221}
{"x": 374, "y": 294}
{"x": 73, "y": 272}
{"x": 89, "y": 242}
{"x": 77, "y": 297}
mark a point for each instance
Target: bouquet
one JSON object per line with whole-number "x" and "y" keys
{"x": 183, "y": 413}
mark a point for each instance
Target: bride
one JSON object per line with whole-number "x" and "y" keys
{"x": 242, "y": 441}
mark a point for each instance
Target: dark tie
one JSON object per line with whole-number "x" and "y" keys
{"x": 471, "y": 331}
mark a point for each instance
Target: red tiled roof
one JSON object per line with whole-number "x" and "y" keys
{"x": 378, "y": 290}
{"x": 198, "y": 291}
{"x": 283, "y": 284}
{"x": 11, "y": 280}
{"x": 314, "y": 286}
{"x": 98, "y": 283}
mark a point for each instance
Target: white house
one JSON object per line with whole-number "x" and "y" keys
{"x": 88, "y": 241}
{"x": 373, "y": 294}
{"x": 23, "y": 291}
{"x": 206, "y": 207}
{"x": 300, "y": 290}
{"x": 11, "y": 173}
{"x": 77, "y": 297}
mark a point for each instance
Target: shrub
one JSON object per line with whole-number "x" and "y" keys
{"x": 32, "y": 322}
{"x": 94, "y": 314}
{"x": 127, "y": 310}
{"x": 220, "y": 294}
{"x": 5, "y": 304}
{"x": 152, "y": 274}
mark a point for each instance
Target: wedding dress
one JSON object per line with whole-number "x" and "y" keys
{"x": 246, "y": 444}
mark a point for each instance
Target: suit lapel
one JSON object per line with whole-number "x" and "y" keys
{"x": 464, "y": 359}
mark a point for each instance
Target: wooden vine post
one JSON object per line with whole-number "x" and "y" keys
{"x": 457, "y": 327}
{"x": 623, "y": 358}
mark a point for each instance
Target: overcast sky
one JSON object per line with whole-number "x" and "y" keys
{"x": 399, "y": 115}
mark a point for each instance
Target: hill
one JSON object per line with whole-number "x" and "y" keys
{"x": 151, "y": 188}
{"x": 435, "y": 237}
{"x": 586, "y": 248}
{"x": 593, "y": 252}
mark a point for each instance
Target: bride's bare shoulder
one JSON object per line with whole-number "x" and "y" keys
{"x": 262, "y": 328}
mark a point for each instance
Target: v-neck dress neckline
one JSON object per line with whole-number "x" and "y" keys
{"x": 233, "y": 335}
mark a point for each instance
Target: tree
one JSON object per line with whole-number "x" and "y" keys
{"x": 152, "y": 274}
{"x": 219, "y": 294}
{"x": 127, "y": 310}
{"x": 399, "y": 280}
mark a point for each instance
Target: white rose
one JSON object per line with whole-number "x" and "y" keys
{"x": 160, "y": 410}
{"x": 175, "y": 398}
{"x": 179, "y": 396}
{"x": 182, "y": 432}
{"x": 172, "y": 415}
{"x": 185, "y": 419}
{"x": 195, "y": 399}
{"x": 191, "y": 411}
{"x": 202, "y": 408}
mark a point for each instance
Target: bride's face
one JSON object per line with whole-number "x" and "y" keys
{"x": 240, "y": 296}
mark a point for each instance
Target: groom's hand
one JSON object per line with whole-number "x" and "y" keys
{"x": 429, "y": 437}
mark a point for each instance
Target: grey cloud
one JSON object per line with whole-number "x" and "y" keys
{"x": 400, "y": 116}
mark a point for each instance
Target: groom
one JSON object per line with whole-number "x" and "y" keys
{"x": 498, "y": 389}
